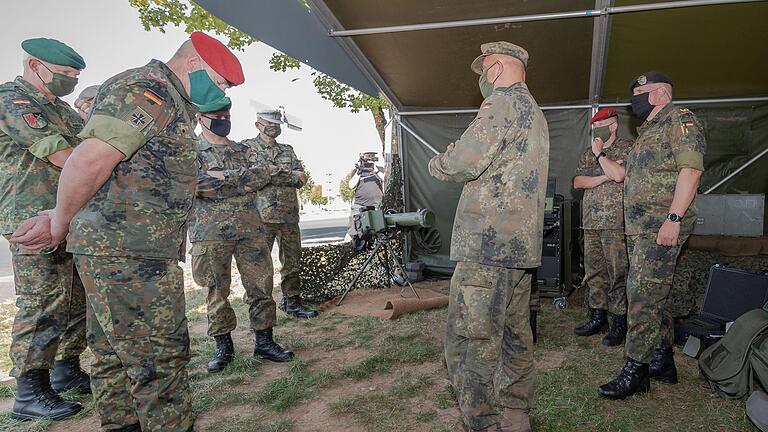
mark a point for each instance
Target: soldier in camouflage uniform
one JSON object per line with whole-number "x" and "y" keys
{"x": 503, "y": 158}
{"x": 601, "y": 173}
{"x": 37, "y": 133}
{"x": 127, "y": 190}
{"x": 225, "y": 223}
{"x": 279, "y": 206}
{"x": 663, "y": 172}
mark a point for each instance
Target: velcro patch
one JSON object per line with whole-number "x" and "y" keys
{"x": 138, "y": 118}
{"x": 35, "y": 120}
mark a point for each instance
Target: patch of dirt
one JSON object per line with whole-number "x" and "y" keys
{"x": 87, "y": 424}
{"x": 551, "y": 360}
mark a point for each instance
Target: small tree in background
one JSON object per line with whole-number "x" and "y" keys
{"x": 347, "y": 193}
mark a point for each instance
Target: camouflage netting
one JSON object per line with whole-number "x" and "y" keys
{"x": 693, "y": 271}
{"x": 326, "y": 270}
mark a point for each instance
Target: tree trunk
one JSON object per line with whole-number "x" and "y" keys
{"x": 381, "y": 121}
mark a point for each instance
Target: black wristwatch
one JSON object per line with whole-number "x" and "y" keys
{"x": 673, "y": 217}
{"x": 599, "y": 155}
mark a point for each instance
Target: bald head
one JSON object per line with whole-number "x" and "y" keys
{"x": 503, "y": 70}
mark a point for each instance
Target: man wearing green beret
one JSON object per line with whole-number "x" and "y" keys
{"x": 503, "y": 159}
{"x": 225, "y": 224}
{"x": 124, "y": 197}
{"x": 37, "y": 134}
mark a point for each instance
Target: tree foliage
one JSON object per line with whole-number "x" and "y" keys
{"x": 181, "y": 13}
{"x": 347, "y": 193}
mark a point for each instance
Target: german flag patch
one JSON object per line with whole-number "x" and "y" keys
{"x": 154, "y": 97}
{"x": 21, "y": 101}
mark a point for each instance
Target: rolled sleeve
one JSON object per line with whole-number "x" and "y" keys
{"x": 49, "y": 145}
{"x": 115, "y": 132}
{"x": 690, "y": 159}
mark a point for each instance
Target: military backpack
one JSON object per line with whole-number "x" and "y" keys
{"x": 733, "y": 365}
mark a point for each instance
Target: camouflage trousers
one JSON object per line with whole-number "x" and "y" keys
{"x": 137, "y": 331}
{"x": 288, "y": 238}
{"x": 50, "y": 322}
{"x": 605, "y": 270}
{"x": 212, "y": 269}
{"x": 488, "y": 341}
{"x": 649, "y": 320}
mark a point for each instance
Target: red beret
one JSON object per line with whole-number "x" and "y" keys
{"x": 603, "y": 114}
{"x": 218, "y": 57}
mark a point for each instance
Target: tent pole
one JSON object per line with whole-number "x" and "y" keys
{"x": 415, "y": 135}
{"x": 738, "y": 170}
{"x": 583, "y": 106}
{"x": 535, "y": 17}
{"x": 600, "y": 39}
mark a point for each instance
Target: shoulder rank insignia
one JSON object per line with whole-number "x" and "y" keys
{"x": 153, "y": 97}
{"x": 155, "y": 76}
{"x": 138, "y": 118}
{"x": 35, "y": 120}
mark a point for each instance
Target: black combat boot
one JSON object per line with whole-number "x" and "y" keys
{"x": 67, "y": 375}
{"x": 533, "y": 319}
{"x": 132, "y": 428}
{"x": 598, "y": 323}
{"x": 618, "y": 331}
{"x": 225, "y": 352}
{"x": 632, "y": 379}
{"x": 35, "y": 399}
{"x": 293, "y": 306}
{"x": 267, "y": 348}
{"x": 662, "y": 366}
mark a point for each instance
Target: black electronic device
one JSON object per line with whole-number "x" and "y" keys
{"x": 553, "y": 276}
{"x": 730, "y": 293}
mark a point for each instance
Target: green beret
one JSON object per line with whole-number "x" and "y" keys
{"x": 221, "y": 104}
{"x": 501, "y": 47}
{"x": 54, "y": 52}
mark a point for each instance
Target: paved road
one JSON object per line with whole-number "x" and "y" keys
{"x": 312, "y": 232}
{"x": 323, "y": 231}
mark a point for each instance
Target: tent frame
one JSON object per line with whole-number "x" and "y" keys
{"x": 597, "y": 12}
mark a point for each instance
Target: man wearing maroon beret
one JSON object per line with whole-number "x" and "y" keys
{"x": 123, "y": 197}
{"x": 601, "y": 174}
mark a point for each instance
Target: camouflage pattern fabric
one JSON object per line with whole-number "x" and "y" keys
{"x": 137, "y": 331}
{"x": 212, "y": 269}
{"x": 692, "y": 275}
{"x": 288, "y": 236}
{"x": 51, "y": 302}
{"x": 503, "y": 157}
{"x": 488, "y": 341}
{"x": 649, "y": 281}
{"x": 31, "y": 129}
{"x": 278, "y": 201}
{"x": 605, "y": 268}
{"x": 127, "y": 241}
{"x": 226, "y": 209}
{"x": 672, "y": 140}
{"x": 141, "y": 210}
{"x": 50, "y": 322}
{"x": 603, "y": 205}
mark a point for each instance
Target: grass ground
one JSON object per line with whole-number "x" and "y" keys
{"x": 367, "y": 374}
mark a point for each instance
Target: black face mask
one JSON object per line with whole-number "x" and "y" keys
{"x": 641, "y": 106}
{"x": 220, "y": 127}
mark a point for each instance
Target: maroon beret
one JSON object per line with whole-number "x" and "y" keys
{"x": 218, "y": 57}
{"x": 603, "y": 114}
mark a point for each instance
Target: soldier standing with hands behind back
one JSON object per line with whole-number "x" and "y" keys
{"x": 37, "y": 134}
{"x": 503, "y": 160}
{"x": 663, "y": 172}
{"x": 601, "y": 174}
